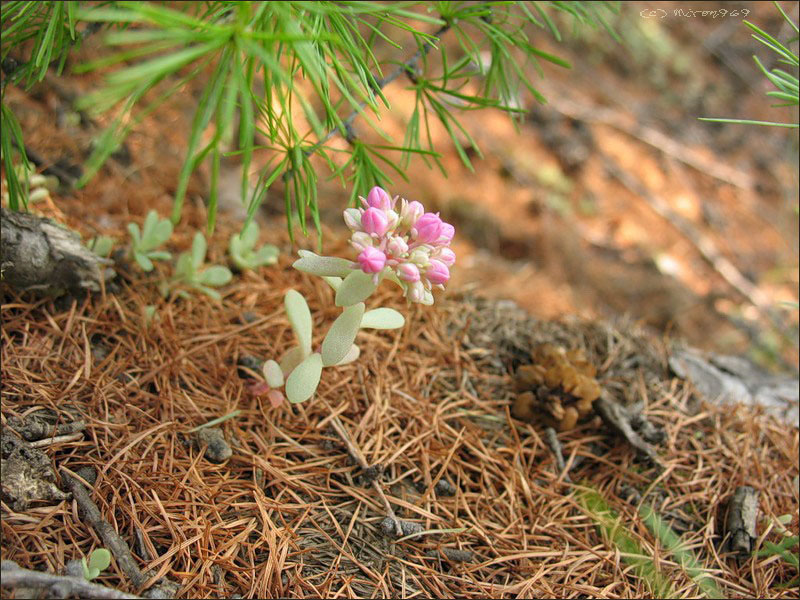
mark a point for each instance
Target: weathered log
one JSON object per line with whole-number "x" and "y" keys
{"x": 39, "y": 254}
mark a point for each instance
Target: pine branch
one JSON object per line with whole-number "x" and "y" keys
{"x": 406, "y": 67}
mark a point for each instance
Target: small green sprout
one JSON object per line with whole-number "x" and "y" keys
{"x": 154, "y": 232}
{"x": 784, "y": 548}
{"x": 243, "y": 252}
{"x": 189, "y": 271}
{"x": 99, "y": 560}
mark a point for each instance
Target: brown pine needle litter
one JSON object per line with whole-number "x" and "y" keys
{"x": 290, "y": 514}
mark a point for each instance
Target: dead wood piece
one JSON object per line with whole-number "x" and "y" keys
{"x": 451, "y": 554}
{"x": 619, "y": 419}
{"x": 551, "y": 438}
{"x": 26, "y": 475}
{"x": 741, "y": 522}
{"x": 388, "y": 527}
{"x": 217, "y": 449}
{"x": 111, "y": 539}
{"x": 59, "y": 586}
{"x": 42, "y": 424}
{"x": 39, "y": 254}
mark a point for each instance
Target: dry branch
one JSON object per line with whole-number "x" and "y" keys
{"x": 59, "y": 586}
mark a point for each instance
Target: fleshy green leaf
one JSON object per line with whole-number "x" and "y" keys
{"x": 340, "y": 337}
{"x": 323, "y": 266}
{"x": 161, "y": 232}
{"x": 351, "y": 355}
{"x": 356, "y": 287}
{"x": 159, "y": 255}
{"x": 382, "y": 318}
{"x": 145, "y": 263}
{"x": 291, "y": 359}
{"x": 273, "y": 374}
{"x": 299, "y": 318}
{"x": 100, "y": 559}
{"x": 249, "y": 235}
{"x": 184, "y": 268}
{"x": 334, "y": 282}
{"x": 303, "y": 381}
{"x": 215, "y": 275}
{"x": 267, "y": 255}
{"x": 133, "y": 229}
{"x": 199, "y": 247}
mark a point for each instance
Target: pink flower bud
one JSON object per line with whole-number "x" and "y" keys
{"x": 448, "y": 231}
{"x": 379, "y": 198}
{"x": 397, "y": 246}
{"x": 352, "y": 218}
{"x": 360, "y": 240}
{"x": 437, "y": 272}
{"x": 408, "y": 272}
{"x": 411, "y": 212}
{"x": 428, "y": 228}
{"x": 372, "y": 260}
{"x": 374, "y": 221}
{"x": 447, "y": 256}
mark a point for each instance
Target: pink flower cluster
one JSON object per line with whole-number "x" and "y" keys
{"x": 412, "y": 243}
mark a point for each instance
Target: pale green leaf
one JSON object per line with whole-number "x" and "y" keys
{"x": 133, "y": 229}
{"x": 249, "y": 236}
{"x": 323, "y": 266}
{"x": 352, "y": 355}
{"x": 267, "y": 255}
{"x": 215, "y": 276}
{"x": 273, "y": 374}
{"x": 299, "y": 318}
{"x": 161, "y": 232}
{"x": 340, "y": 336}
{"x": 382, "y": 318}
{"x": 291, "y": 359}
{"x": 100, "y": 559}
{"x": 334, "y": 282}
{"x": 199, "y": 247}
{"x": 356, "y": 287}
{"x": 304, "y": 379}
{"x": 145, "y": 263}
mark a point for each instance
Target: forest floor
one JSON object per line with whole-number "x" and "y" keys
{"x": 617, "y": 224}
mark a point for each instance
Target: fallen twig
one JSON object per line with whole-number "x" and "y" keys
{"x": 551, "y": 438}
{"x": 110, "y": 537}
{"x": 59, "y": 586}
{"x": 59, "y": 439}
{"x": 620, "y": 420}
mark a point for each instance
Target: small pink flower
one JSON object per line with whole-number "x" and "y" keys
{"x": 352, "y": 218}
{"x": 448, "y": 231}
{"x": 428, "y": 228}
{"x": 420, "y": 257}
{"x": 374, "y": 221}
{"x": 372, "y": 260}
{"x": 397, "y": 246}
{"x": 408, "y": 272}
{"x": 447, "y": 256}
{"x": 379, "y": 198}
{"x": 437, "y": 273}
{"x": 416, "y": 292}
{"x": 410, "y": 213}
{"x": 360, "y": 240}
